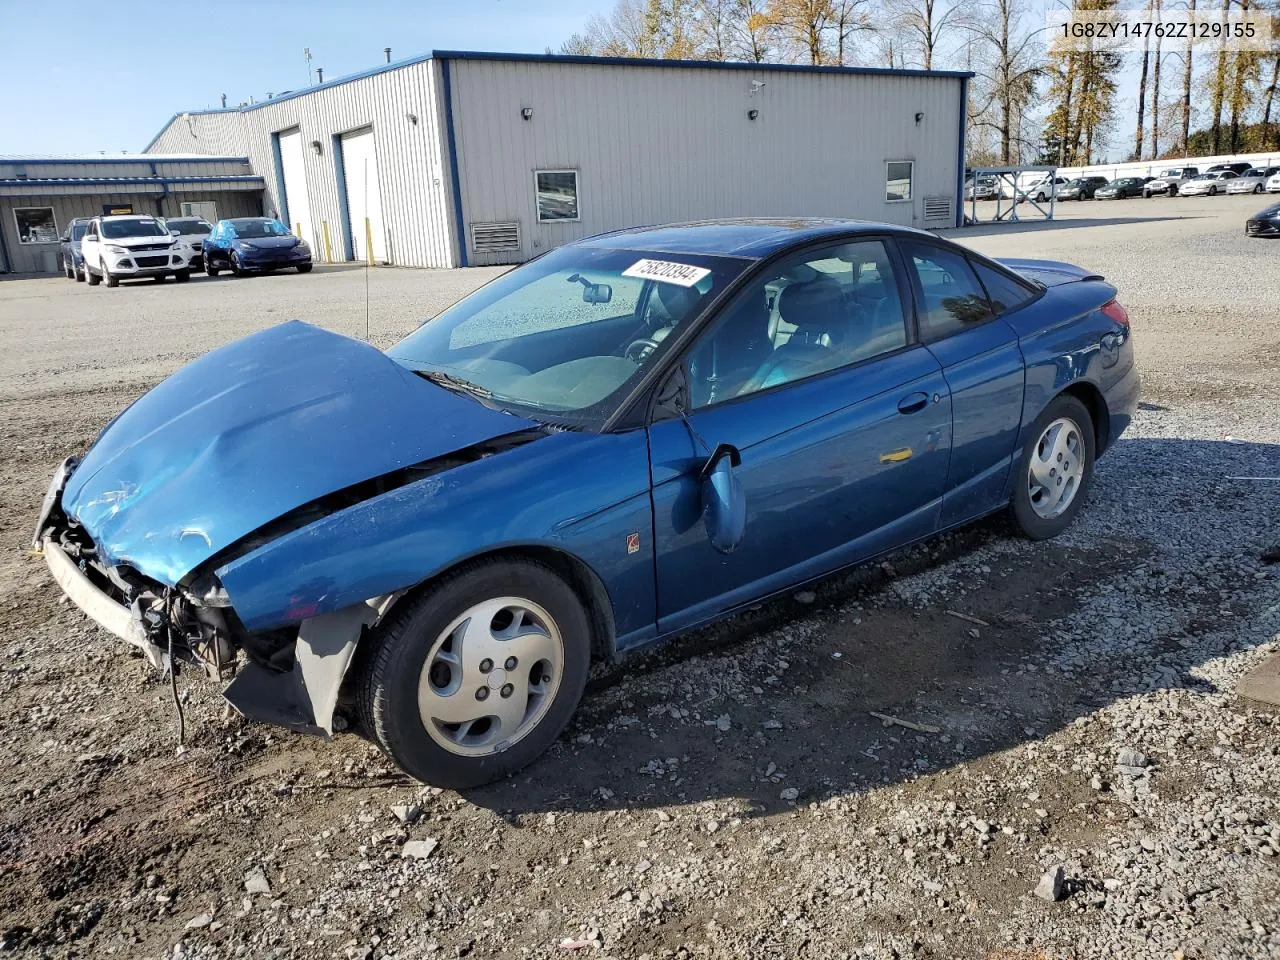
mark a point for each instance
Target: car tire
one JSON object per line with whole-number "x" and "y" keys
{"x": 79, "y": 273}
{"x": 182, "y": 276}
{"x": 1258, "y": 188}
{"x": 1146, "y": 194}
{"x": 108, "y": 278}
{"x": 304, "y": 268}
{"x": 1213, "y": 191}
{"x": 236, "y": 268}
{"x": 408, "y": 652}
{"x": 1042, "y": 507}
{"x": 210, "y": 270}
{"x": 67, "y": 270}
{"x": 93, "y": 278}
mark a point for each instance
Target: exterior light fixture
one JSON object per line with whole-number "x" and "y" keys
{"x": 412, "y": 118}
{"x": 526, "y": 113}
{"x": 753, "y": 114}
{"x": 315, "y": 146}
{"x": 919, "y": 117}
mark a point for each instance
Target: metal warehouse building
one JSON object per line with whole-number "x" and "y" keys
{"x": 39, "y": 196}
{"x": 458, "y": 159}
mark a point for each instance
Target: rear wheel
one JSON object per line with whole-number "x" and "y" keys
{"x": 68, "y": 270}
{"x": 1055, "y": 470}
{"x": 477, "y": 676}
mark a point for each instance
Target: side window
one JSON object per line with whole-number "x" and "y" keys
{"x": 811, "y": 313}
{"x": 1003, "y": 291}
{"x": 952, "y": 296}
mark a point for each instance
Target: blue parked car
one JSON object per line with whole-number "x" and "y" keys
{"x": 69, "y": 256}
{"x": 628, "y": 437}
{"x": 247, "y": 244}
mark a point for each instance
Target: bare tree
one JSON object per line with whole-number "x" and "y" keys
{"x": 1142, "y": 92}
{"x": 1007, "y": 66}
{"x": 1218, "y": 83}
{"x": 1155, "y": 95}
{"x": 924, "y": 22}
{"x": 849, "y": 18}
{"x": 1186, "y": 86}
{"x": 804, "y": 26}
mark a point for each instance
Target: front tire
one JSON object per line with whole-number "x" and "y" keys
{"x": 94, "y": 278}
{"x": 1213, "y": 191}
{"x": 1055, "y": 470}
{"x": 182, "y": 276}
{"x": 236, "y": 267}
{"x": 210, "y": 268}
{"x": 108, "y": 278}
{"x": 478, "y": 675}
{"x": 79, "y": 272}
{"x": 304, "y": 268}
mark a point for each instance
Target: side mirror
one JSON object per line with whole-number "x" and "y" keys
{"x": 597, "y": 293}
{"x": 724, "y": 506}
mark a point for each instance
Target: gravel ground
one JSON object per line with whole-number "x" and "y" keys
{"x": 1083, "y": 782}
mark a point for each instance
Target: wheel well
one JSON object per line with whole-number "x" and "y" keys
{"x": 584, "y": 581}
{"x": 1094, "y": 402}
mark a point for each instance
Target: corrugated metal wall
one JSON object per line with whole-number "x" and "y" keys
{"x": 655, "y": 144}
{"x": 219, "y": 165}
{"x": 412, "y": 170}
{"x": 30, "y": 257}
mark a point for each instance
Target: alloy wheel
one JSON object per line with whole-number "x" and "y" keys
{"x": 490, "y": 676}
{"x": 1056, "y": 469}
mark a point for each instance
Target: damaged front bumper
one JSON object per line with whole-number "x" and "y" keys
{"x": 291, "y": 678}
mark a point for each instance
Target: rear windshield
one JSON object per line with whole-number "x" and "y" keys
{"x": 118, "y": 229}
{"x": 190, "y": 226}
{"x": 259, "y": 228}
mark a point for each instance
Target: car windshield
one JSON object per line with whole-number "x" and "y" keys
{"x": 1172, "y": 173}
{"x": 78, "y": 229}
{"x": 1207, "y": 176}
{"x": 190, "y": 226}
{"x": 251, "y": 229}
{"x": 1075, "y": 183}
{"x": 568, "y": 333}
{"x": 119, "y": 229}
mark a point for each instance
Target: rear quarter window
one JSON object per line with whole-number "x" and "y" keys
{"x": 1004, "y": 292}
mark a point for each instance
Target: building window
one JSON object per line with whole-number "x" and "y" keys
{"x": 36, "y": 225}
{"x": 898, "y": 180}
{"x": 557, "y": 194}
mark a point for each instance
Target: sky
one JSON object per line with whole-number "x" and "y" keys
{"x": 93, "y": 77}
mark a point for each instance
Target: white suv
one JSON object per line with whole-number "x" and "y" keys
{"x": 121, "y": 248}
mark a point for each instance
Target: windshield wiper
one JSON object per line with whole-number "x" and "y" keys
{"x": 455, "y": 383}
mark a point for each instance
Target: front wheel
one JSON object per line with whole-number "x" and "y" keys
{"x": 1213, "y": 191}
{"x": 182, "y": 276}
{"x": 304, "y": 268}
{"x": 236, "y": 266}
{"x": 1258, "y": 188}
{"x": 210, "y": 268}
{"x": 1055, "y": 470}
{"x": 476, "y": 676}
{"x": 93, "y": 278}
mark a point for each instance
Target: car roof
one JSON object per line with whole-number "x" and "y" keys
{"x": 128, "y": 216}
{"x": 750, "y": 237}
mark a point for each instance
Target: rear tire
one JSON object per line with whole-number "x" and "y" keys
{"x": 182, "y": 276}
{"x": 68, "y": 270}
{"x": 1052, "y": 481}
{"x": 427, "y": 657}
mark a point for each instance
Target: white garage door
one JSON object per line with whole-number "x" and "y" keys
{"x": 360, "y": 169}
{"x": 295, "y": 185}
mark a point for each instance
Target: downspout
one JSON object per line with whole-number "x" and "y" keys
{"x": 960, "y": 150}
{"x": 5, "y": 262}
{"x": 458, "y": 223}
{"x": 164, "y": 191}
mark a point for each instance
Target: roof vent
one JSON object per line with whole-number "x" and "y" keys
{"x": 939, "y": 212}
{"x": 495, "y": 237}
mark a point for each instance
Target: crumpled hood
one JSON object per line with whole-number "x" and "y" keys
{"x": 253, "y": 430}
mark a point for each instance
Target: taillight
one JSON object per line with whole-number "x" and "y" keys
{"x": 1116, "y": 312}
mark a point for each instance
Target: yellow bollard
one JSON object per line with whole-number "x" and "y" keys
{"x": 368, "y": 241}
{"x": 328, "y": 254}
{"x": 297, "y": 230}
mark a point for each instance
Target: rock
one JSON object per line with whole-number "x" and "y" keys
{"x": 1128, "y": 757}
{"x": 199, "y": 922}
{"x": 723, "y": 723}
{"x": 806, "y": 596}
{"x": 419, "y": 849}
{"x": 1050, "y": 886}
{"x": 789, "y": 794}
{"x": 255, "y": 881}
{"x": 407, "y": 812}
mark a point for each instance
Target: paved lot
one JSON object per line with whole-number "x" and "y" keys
{"x": 732, "y": 796}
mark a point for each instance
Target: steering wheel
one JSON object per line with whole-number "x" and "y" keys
{"x": 638, "y": 351}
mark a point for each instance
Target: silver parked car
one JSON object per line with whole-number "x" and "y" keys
{"x": 1252, "y": 181}
{"x": 1207, "y": 183}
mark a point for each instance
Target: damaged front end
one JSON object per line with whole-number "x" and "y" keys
{"x": 288, "y": 676}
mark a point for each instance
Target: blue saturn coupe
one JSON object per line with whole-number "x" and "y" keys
{"x": 626, "y": 438}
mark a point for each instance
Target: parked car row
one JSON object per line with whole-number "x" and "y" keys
{"x": 1237, "y": 177}
{"x": 110, "y": 249}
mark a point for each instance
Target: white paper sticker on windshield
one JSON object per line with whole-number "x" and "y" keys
{"x": 665, "y": 271}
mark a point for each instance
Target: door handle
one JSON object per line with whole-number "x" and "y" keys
{"x": 913, "y": 403}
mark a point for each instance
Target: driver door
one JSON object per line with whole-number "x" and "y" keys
{"x": 842, "y": 421}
